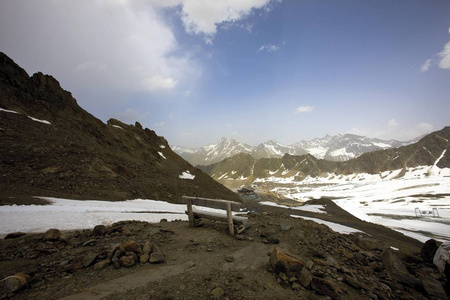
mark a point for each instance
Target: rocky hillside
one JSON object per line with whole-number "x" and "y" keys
{"x": 334, "y": 148}
{"x": 433, "y": 149}
{"x": 50, "y": 146}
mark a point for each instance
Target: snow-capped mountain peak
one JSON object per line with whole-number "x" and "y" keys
{"x": 336, "y": 148}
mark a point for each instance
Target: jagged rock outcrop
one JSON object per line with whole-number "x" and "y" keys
{"x": 50, "y": 146}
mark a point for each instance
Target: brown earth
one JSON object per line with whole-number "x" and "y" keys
{"x": 206, "y": 263}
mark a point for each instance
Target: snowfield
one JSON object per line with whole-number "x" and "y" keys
{"x": 397, "y": 203}
{"x": 66, "y": 214}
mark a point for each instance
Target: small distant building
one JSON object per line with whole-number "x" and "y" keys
{"x": 247, "y": 193}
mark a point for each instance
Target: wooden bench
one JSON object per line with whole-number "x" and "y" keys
{"x": 229, "y": 206}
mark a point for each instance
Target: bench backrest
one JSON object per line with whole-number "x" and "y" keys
{"x": 212, "y": 203}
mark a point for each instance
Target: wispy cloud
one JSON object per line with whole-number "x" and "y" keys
{"x": 441, "y": 59}
{"x": 270, "y": 48}
{"x": 395, "y": 130}
{"x": 304, "y": 109}
{"x": 160, "y": 124}
{"x": 426, "y": 65}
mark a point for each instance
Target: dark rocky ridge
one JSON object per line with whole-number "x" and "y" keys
{"x": 78, "y": 156}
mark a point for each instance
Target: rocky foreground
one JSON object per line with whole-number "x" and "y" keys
{"x": 277, "y": 257}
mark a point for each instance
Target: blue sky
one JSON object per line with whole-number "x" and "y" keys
{"x": 253, "y": 70}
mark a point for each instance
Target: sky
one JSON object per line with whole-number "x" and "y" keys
{"x": 252, "y": 70}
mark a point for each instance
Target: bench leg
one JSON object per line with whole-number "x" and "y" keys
{"x": 190, "y": 213}
{"x": 230, "y": 220}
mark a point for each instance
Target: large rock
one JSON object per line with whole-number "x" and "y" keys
{"x": 398, "y": 270}
{"x": 52, "y": 234}
{"x": 131, "y": 246}
{"x": 14, "y": 283}
{"x": 14, "y": 235}
{"x": 99, "y": 230}
{"x": 127, "y": 261}
{"x": 324, "y": 287}
{"x": 157, "y": 258}
{"x": 434, "y": 288}
{"x": 305, "y": 278}
{"x": 89, "y": 259}
{"x": 282, "y": 261}
{"x": 147, "y": 248}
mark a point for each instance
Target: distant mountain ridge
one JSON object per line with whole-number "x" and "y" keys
{"x": 432, "y": 151}
{"x": 50, "y": 146}
{"x": 333, "y": 148}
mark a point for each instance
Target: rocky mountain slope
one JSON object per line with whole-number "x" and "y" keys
{"x": 333, "y": 148}
{"x": 50, "y": 146}
{"x": 433, "y": 149}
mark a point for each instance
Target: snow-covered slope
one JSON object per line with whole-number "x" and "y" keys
{"x": 334, "y": 148}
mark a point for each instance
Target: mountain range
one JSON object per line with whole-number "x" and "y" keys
{"x": 333, "y": 148}
{"x": 431, "y": 150}
{"x": 50, "y": 146}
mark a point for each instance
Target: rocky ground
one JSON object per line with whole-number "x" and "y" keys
{"x": 276, "y": 257}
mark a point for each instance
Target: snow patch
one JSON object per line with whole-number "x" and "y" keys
{"x": 162, "y": 155}
{"x": 117, "y": 126}
{"x": 8, "y": 111}
{"x": 40, "y": 121}
{"x": 186, "y": 175}
{"x": 162, "y": 147}
{"x": 333, "y": 226}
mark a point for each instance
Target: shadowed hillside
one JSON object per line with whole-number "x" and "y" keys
{"x": 50, "y": 146}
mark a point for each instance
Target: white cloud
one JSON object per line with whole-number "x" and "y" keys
{"x": 302, "y": 109}
{"x": 202, "y": 17}
{"x": 102, "y": 46}
{"x": 426, "y": 65}
{"x": 392, "y": 123}
{"x": 442, "y": 59}
{"x": 158, "y": 82}
{"x": 160, "y": 124}
{"x": 444, "y": 56}
{"x": 131, "y": 115}
{"x": 268, "y": 48}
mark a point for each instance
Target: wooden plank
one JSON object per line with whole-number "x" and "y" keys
{"x": 230, "y": 220}
{"x": 190, "y": 213}
{"x": 213, "y": 203}
{"x": 219, "y": 217}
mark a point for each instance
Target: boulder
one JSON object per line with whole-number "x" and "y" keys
{"x": 126, "y": 261}
{"x": 144, "y": 258}
{"x": 14, "y": 235}
{"x": 324, "y": 287}
{"x": 99, "y": 230}
{"x": 282, "y": 261}
{"x": 434, "y": 288}
{"x": 157, "y": 258}
{"x": 102, "y": 264}
{"x": 131, "y": 246}
{"x": 305, "y": 278}
{"x": 398, "y": 270}
{"x": 52, "y": 234}
{"x": 89, "y": 259}
{"x": 147, "y": 248}
{"x": 14, "y": 283}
